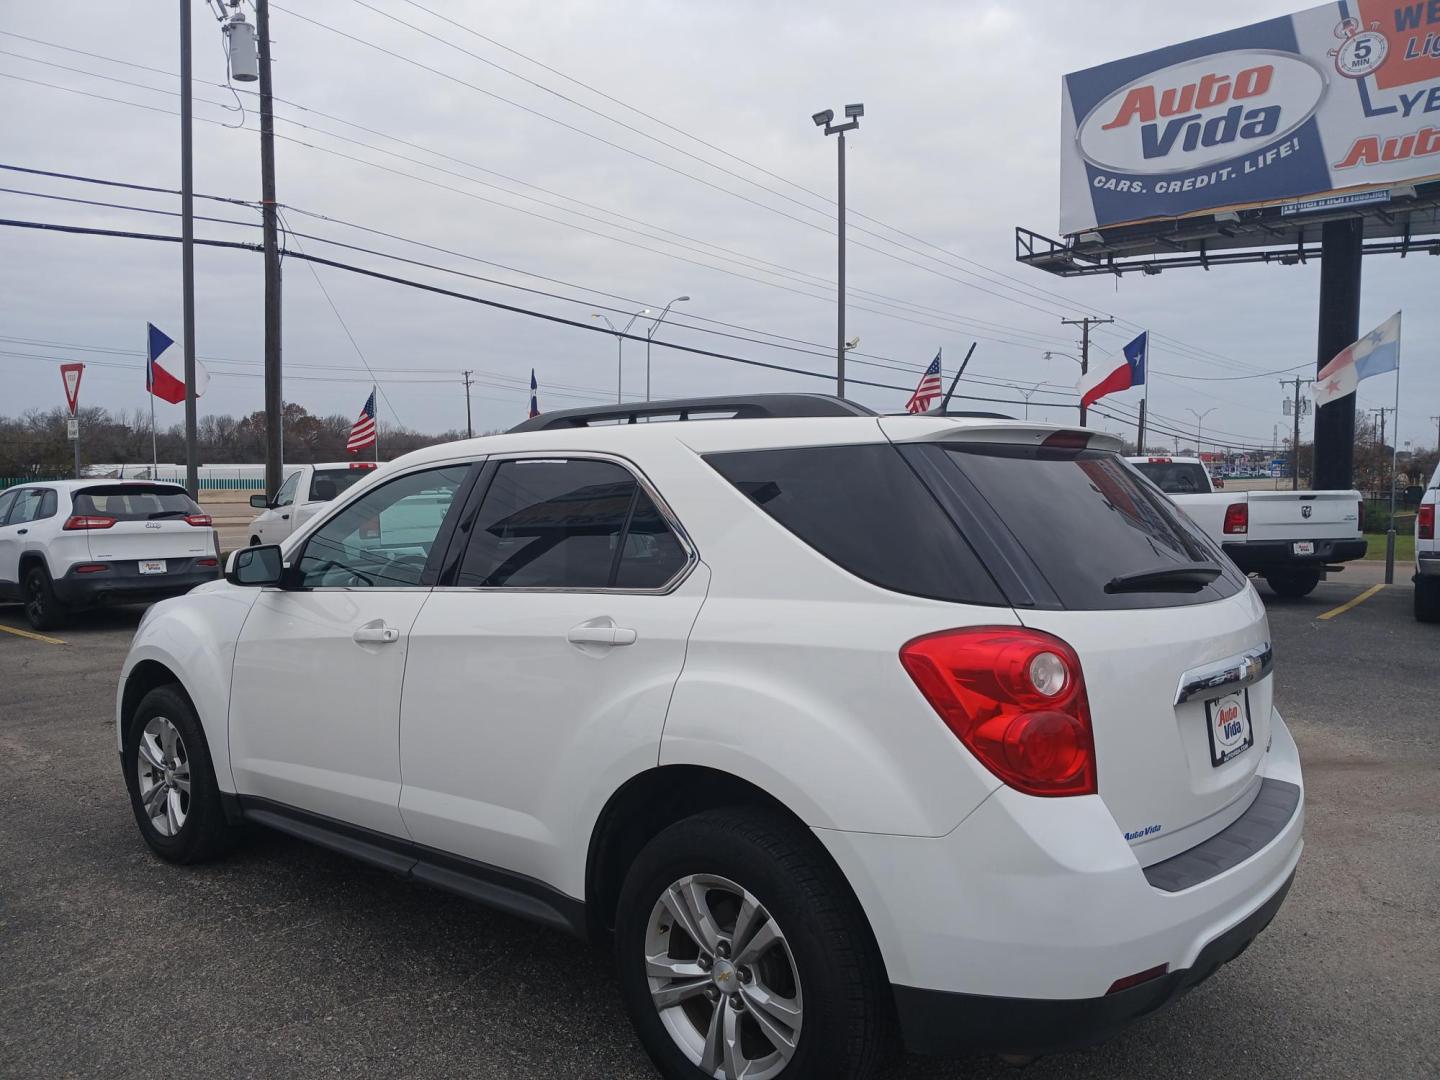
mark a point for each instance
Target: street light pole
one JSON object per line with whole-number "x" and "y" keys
{"x": 620, "y": 349}
{"x": 824, "y": 120}
{"x": 650, "y": 334}
{"x": 1199, "y": 419}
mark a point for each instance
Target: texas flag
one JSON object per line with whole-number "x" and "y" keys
{"x": 1113, "y": 376}
{"x": 159, "y": 380}
{"x": 1374, "y": 354}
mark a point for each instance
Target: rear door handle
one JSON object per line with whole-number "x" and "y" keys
{"x": 601, "y": 635}
{"x": 376, "y": 635}
{"x": 21, "y": 532}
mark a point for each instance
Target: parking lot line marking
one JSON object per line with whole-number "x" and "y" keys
{"x": 1351, "y": 603}
{"x": 34, "y": 637}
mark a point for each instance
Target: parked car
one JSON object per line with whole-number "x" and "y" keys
{"x": 1427, "y": 555}
{"x": 1290, "y": 538}
{"x": 829, "y": 720}
{"x": 66, "y": 545}
{"x": 303, "y": 494}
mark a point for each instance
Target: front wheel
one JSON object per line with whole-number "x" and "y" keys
{"x": 1293, "y": 583}
{"x": 742, "y": 952}
{"x": 1427, "y": 600}
{"x": 172, "y": 781}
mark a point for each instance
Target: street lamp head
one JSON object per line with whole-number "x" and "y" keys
{"x": 680, "y": 299}
{"x": 823, "y": 118}
{"x": 854, "y": 112}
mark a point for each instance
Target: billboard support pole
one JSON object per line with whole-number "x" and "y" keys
{"x": 1341, "y": 249}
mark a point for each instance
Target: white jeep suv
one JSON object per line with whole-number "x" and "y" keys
{"x": 838, "y": 724}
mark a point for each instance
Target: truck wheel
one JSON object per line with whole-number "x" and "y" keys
{"x": 42, "y": 608}
{"x": 741, "y": 952}
{"x": 172, "y": 781}
{"x": 1293, "y": 584}
{"x": 1427, "y": 600}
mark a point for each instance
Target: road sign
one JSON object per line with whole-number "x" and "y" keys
{"x": 70, "y": 375}
{"x": 72, "y": 429}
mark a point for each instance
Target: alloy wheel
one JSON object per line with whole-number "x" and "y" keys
{"x": 723, "y": 978}
{"x": 163, "y": 768}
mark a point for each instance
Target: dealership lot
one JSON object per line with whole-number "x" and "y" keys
{"x": 288, "y": 960}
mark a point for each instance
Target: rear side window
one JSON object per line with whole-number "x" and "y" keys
{"x": 864, "y": 509}
{"x": 1175, "y": 477}
{"x": 134, "y": 502}
{"x": 1084, "y": 520}
{"x": 569, "y": 524}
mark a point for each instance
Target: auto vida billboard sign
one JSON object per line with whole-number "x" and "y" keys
{"x": 1342, "y": 96}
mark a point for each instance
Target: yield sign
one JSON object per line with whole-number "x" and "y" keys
{"x": 71, "y": 373}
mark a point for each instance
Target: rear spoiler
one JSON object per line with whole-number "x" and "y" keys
{"x": 921, "y": 428}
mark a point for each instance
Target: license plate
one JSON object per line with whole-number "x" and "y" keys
{"x": 152, "y": 566}
{"x": 1305, "y": 547}
{"x": 1229, "y": 723}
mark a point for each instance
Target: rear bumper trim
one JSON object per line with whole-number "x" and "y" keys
{"x": 1261, "y": 555}
{"x": 1264, "y": 820}
{"x": 944, "y": 1022}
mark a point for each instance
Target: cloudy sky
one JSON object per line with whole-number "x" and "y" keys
{"x": 662, "y": 149}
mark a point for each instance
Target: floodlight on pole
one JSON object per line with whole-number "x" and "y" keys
{"x": 826, "y": 119}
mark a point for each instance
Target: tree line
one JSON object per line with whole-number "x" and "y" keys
{"x": 36, "y": 444}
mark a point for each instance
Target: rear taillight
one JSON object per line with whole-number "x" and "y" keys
{"x": 1361, "y": 515}
{"x": 1016, "y": 699}
{"x": 198, "y": 519}
{"x": 1237, "y": 519}
{"x": 1425, "y": 522}
{"x": 92, "y": 521}
{"x": 92, "y": 568}
{"x": 207, "y": 562}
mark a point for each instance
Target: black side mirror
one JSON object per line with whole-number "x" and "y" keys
{"x": 260, "y": 502}
{"x": 255, "y": 566}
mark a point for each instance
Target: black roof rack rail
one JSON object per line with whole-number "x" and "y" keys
{"x": 741, "y": 407}
{"x": 967, "y": 414}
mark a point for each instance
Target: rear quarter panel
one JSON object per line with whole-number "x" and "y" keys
{"x": 194, "y": 637}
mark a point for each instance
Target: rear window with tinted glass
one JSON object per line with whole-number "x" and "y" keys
{"x": 328, "y": 483}
{"x": 1085, "y": 520}
{"x": 134, "y": 502}
{"x": 863, "y": 508}
{"x": 1175, "y": 477}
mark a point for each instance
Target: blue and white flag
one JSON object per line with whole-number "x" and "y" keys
{"x": 1374, "y": 354}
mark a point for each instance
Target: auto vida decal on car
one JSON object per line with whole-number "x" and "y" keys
{"x": 1202, "y": 112}
{"x": 1140, "y": 834}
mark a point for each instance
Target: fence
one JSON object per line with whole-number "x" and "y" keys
{"x": 207, "y": 483}
{"x": 11, "y": 481}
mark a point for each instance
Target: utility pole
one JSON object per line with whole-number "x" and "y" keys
{"x": 1085, "y": 324}
{"x": 1437, "y": 431}
{"x": 469, "y": 427}
{"x": 1140, "y": 436}
{"x": 1295, "y": 443}
{"x": 187, "y": 253}
{"x": 269, "y": 212}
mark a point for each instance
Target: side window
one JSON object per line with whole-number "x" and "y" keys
{"x": 47, "y": 506}
{"x": 383, "y": 539}
{"x": 568, "y": 524}
{"x": 7, "y": 499}
{"x": 286, "y": 495}
{"x": 27, "y": 505}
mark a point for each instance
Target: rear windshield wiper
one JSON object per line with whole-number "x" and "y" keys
{"x": 1168, "y": 579}
{"x": 158, "y": 514}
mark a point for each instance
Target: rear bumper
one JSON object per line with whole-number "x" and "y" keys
{"x": 1262, "y": 555}
{"x": 124, "y": 584}
{"x": 1007, "y": 934}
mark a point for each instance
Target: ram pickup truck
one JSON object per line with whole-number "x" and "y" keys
{"x": 1290, "y": 538}
{"x": 304, "y": 494}
{"x": 1427, "y": 554}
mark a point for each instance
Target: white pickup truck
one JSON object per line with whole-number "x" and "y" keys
{"x": 1427, "y": 554}
{"x": 1290, "y": 538}
{"x": 304, "y": 493}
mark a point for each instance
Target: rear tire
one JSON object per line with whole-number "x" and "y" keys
{"x": 171, "y": 780}
{"x": 1293, "y": 584}
{"x": 790, "y": 982}
{"x": 42, "y": 607}
{"x": 1427, "y": 600}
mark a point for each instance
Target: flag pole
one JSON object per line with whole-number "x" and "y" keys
{"x": 1394, "y": 458}
{"x": 376, "y": 400}
{"x": 154, "y": 455}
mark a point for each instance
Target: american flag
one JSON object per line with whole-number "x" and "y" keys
{"x": 928, "y": 390}
{"x": 363, "y": 433}
{"x": 534, "y": 400}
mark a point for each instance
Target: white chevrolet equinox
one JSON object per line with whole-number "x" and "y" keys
{"x": 839, "y": 726}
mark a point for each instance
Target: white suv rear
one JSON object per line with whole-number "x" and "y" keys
{"x": 73, "y": 544}
{"x": 836, "y": 722}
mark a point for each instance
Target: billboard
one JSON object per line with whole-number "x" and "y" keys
{"x": 1342, "y": 98}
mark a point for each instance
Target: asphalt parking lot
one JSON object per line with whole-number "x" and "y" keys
{"x": 286, "y": 960}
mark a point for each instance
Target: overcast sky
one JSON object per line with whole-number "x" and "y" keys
{"x": 958, "y": 145}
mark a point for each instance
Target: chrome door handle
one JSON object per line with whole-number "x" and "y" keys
{"x": 376, "y": 635}
{"x": 601, "y": 635}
